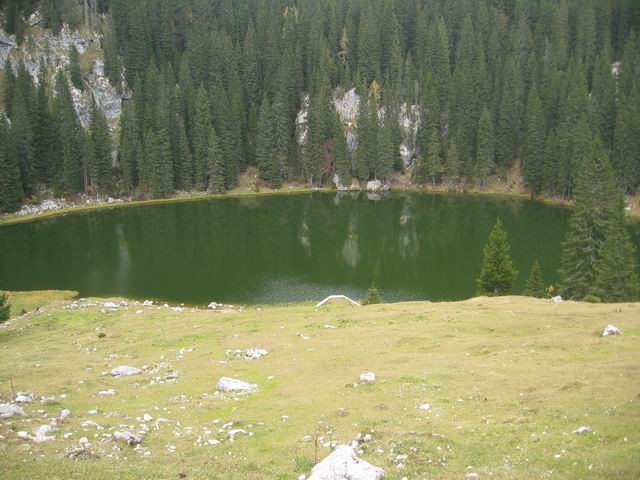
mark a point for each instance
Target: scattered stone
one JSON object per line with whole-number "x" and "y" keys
{"x": 331, "y": 299}
{"x": 255, "y": 353}
{"x": 125, "y": 371}
{"x": 472, "y": 475}
{"x": 304, "y": 337}
{"x": 110, "y": 305}
{"x": 8, "y": 410}
{"x": 212, "y": 441}
{"x": 425, "y": 406}
{"x": 129, "y": 438}
{"x": 368, "y": 377}
{"x": 226, "y": 384}
{"x": 147, "y": 418}
{"x": 147, "y": 303}
{"x": 610, "y": 330}
{"x": 343, "y": 464}
{"x": 24, "y": 397}
{"x": 40, "y": 434}
{"x": 213, "y": 305}
{"x": 581, "y": 430}
{"x": 64, "y": 414}
{"x": 107, "y": 393}
{"x": 237, "y": 431}
{"x": 92, "y": 412}
{"x": 557, "y": 299}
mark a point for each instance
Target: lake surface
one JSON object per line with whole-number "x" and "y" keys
{"x": 281, "y": 248}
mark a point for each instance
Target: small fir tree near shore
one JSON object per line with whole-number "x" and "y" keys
{"x": 497, "y": 274}
{"x": 535, "y": 283}
{"x": 5, "y": 308}
{"x": 373, "y": 296}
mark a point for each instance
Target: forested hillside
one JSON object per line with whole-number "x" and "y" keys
{"x": 212, "y": 87}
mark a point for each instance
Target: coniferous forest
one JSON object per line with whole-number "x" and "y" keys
{"x": 549, "y": 89}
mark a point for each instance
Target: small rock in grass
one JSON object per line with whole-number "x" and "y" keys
{"x": 212, "y": 441}
{"x": 557, "y": 299}
{"x": 125, "y": 371}
{"x": 226, "y": 384}
{"x": 40, "y": 434}
{"x": 610, "y": 330}
{"x": 212, "y": 305}
{"x": 106, "y": 393}
{"x": 110, "y": 305}
{"x": 64, "y": 414}
{"x": 8, "y": 410}
{"x": 147, "y": 418}
{"x": 343, "y": 463}
{"x": 425, "y": 406}
{"x": 24, "y": 397}
{"x": 254, "y": 353}
{"x": 129, "y": 438}
{"x": 368, "y": 377}
{"x": 582, "y": 430}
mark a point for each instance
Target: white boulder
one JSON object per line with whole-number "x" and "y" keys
{"x": 125, "y": 371}
{"x": 610, "y": 330}
{"x": 557, "y": 299}
{"x": 255, "y": 353}
{"x": 226, "y": 384}
{"x": 213, "y": 305}
{"x": 368, "y": 377}
{"x": 106, "y": 393}
{"x": 111, "y": 306}
{"x": 8, "y": 410}
{"x": 343, "y": 464}
{"x": 40, "y": 434}
{"x": 24, "y": 397}
{"x": 425, "y": 407}
{"x": 581, "y": 430}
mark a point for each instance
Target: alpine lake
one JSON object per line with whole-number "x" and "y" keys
{"x": 266, "y": 249}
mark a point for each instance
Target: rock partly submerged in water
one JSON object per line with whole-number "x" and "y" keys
{"x": 125, "y": 371}
{"x": 343, "y": 464}
{"x": 226, "y": 384}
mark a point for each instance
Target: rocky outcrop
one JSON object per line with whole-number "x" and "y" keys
{"x": 53, "y": 50}
{"x": 347, "y": 106}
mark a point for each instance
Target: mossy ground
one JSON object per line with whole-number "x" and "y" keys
{"x": 508, "y": 379}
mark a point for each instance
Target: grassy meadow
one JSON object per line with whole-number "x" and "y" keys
{"x": 508, "y": 380}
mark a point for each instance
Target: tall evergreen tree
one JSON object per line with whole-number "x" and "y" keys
{"x": 10, "y": 182}
{"x": 485, "y": 149}
{"x": 130, "y": 152}
{"x": 589, "y": 223}
{"x": 201, "y": 133}
{"x": 533, "y": 144}
{"x": 616, "y": 270}
{"x": 75, "y": 73}
{"x": 497, "y": 274}
{"x": 102, "y": 174}
{"x": 215, "y": 164}
{"x": 535, "y": 283}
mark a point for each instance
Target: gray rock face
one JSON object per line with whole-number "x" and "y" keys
{"x": 337, "y": 181}
{"x": 54, "y": 51}
{"x": 343, "y": 464}
{"x": 347, "y": 105}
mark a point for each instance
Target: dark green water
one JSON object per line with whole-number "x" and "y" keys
{"x": 280, "y": 248}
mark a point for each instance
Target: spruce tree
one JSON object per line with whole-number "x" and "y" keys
{"x": 533, "y": 144}
{"x": 485, "y": 149}
{"x": 184, "y": 160}
{"x": 215, "y": 164}
{"x": 130, "y": 148}
{"x": 497, "y": 274}
{"x": 102, "y": 150}
{"x": 589, "y": 223}
{"x": 452, "y": 166}
{"x": 434, "y": 164}
{"x": 22, "y": 138}
{"x": 72, "y": 139}
{"x": 10, "y": 183}
{"x": 201, "y": 133}
{"x": 265, "y": 142}
{"x": 535, "y": 283}
{"x": 74, "y": 67}
{"x": 616, "y": 270}
{"x": 5, "y": 307}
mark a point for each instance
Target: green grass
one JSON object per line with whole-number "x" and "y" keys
{"x": 509, "y": 379}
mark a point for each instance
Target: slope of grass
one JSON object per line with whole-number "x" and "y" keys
{"x": 508, "y": 380}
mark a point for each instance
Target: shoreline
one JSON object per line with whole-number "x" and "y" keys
{"x": 13, "y": 219}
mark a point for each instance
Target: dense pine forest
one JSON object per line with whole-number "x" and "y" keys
{"x": 211, "y": 88}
